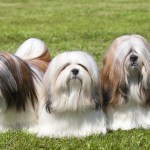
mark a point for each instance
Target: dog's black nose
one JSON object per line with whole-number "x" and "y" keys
{"x": 133, "y": 58}
{"x": 75, "y": 71}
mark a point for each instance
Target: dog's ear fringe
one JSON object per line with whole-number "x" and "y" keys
{"x": 106, "y": 88}
{"x": 97, "y": 102}
{"x": 147, "y": 96}
{"x": 97, "y": 97}
{"x": 48, "y": 105}
{"x": 112, "y": 91}
{"x": 48, "y": 108}
{"x": 106, "y": 96}
{"x": 112, "y": 80}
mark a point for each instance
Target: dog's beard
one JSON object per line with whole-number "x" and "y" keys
{"x": 75, "y": 88}
{"x": 72, "y": 92}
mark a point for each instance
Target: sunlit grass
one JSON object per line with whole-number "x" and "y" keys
{"x": 88, "y": 25}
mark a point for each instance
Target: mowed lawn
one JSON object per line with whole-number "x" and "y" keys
{"x": 88, "y": 25}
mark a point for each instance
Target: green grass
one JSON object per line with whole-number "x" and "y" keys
{"x": 88, "y": 25}
{"x": 128, "y": 140}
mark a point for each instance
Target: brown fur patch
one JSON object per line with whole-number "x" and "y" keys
{"x": 111, "y": 84}
{"x": 16, "y": 82}
{"x": 41, "y": 62}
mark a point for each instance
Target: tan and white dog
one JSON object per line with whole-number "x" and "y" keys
{"x": 72, "y": 102}
{"x": 125, "y": 83}
{"x": 20, "y": 85}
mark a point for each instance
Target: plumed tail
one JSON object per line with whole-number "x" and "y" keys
{"x": 35, "y": 52}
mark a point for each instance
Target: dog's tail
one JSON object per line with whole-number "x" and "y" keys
{"x": 35, "y": 52}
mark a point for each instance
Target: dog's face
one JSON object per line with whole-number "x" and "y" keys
{"x": 126, "y": 70}
{"x": 133, "y": 63}
{"x": 71, "y": 82}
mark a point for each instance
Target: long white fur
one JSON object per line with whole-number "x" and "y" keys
{"x": 131, "y": 114}
{"x": 128, "y": 117}
{"x": 72, "y": 106}
{"x": 27, "y": 119}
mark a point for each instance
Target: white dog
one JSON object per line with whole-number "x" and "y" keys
{"x": 125, "y": 83}
{"x": 71, "y": 106}
{"x": 20, "y": 85}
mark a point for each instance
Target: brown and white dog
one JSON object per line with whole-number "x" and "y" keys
{"x": 20, "y": 85}
{"x": 125, "y": 83}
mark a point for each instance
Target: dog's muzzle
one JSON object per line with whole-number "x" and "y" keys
{"x": 133, "y": 60}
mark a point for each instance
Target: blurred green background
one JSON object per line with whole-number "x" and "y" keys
{"x": 88, "y": 25}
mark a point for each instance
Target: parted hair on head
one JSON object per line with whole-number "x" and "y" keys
{"x": 16, "y": 82}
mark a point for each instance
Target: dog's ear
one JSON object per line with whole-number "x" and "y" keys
{"x": 112, "y": 85}
{"x": 105, "y": 83}
{"x": 48, "y": 102}
{"x": 145, "y": 88}
{"x": 146, "y": 94}
{"x": 97, "y": 96}
{"x": 112, "y": 77}
{"x": 106, "y": 89}
{"x": 48, "y": 106}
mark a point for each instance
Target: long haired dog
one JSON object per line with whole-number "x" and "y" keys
{"x": 125, "y": 83}
{"x": 20, "y": 86}
{"x": 71, "y": 106}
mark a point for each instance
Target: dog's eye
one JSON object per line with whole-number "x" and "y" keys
{"x": 83, "y": 67}
{"x": 65, "y": 66}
